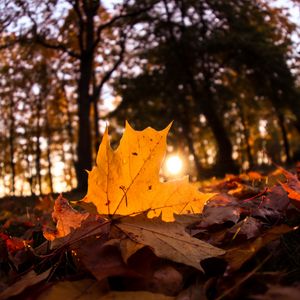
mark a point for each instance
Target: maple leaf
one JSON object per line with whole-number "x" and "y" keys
{"x": 72, "y": 225}
{"x": 66, "y": 218}
{"x": 168, "y": 240}
{"x": 126, "y": 181}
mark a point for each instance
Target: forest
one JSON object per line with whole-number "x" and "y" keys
{"x": 95, "y": 94}
{"x": 226, "y": 73}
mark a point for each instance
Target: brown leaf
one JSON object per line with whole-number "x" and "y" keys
{"x": 275, "y": 199}
{"x": 29, "y": 279}
{"x": 128, "y": 247}
{"x": 222, "y": 208}
{"x": 237, "y": 256}
{"x": 86, "y": 289}
{"x": 246, "y": 229}
{"x": 292, "y": 187}
{"x": 102, "y": 260}
{"x": 135, "y": 296}
{"x": 278, "y": 292}
{"x": 168, "y": 240}
{"x": 92, "y": 226}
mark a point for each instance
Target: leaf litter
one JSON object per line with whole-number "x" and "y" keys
{"x": 148, "y": 239}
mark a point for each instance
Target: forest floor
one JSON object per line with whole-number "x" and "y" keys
{"x": 252, "y": 218}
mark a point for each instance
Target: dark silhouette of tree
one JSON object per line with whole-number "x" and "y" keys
{"x": 193, "y": 46}
{"x": 81, "y": 38}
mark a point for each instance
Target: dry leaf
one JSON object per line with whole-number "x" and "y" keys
{"x": 103, "y": 260}
{"x": 245, "y": 229}
{"x": 72, "y": 226}
{"x": 236, "y": 257}
{"x": 86, "y": 289}
{"x": 66, "y": 217}
{"x": 222, "y": 208}
{"x": 135, "y": 296}
{"x": 279, "y": 292}
{"x": 168, "y": 240}
{"x": 29, "y": 279}
{"x": 292, "y": 187}
{"x": 126, "y": 181}
{"x": 128, "y": 247}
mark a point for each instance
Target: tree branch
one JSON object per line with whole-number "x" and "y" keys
{"x": 109, "y": 23}
{"x": 81, "y": 23}
{"x": 106, "y": 77}
{"x": 61, "y": 47}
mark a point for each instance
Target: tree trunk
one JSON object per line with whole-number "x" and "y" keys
{"x": 203, "y": 102}
{"x": 70, "y": 135}
{"x": 11, "y": 144}
{"x": 49, "y": 142}
{"x": 286, "y": 143}
{"x": 84, "y": 150}
{"x": 84, "y": 146}
{"x": 246, "y": 136}
{"x": 224, "y": 161}
{"x": 96, "y": 126}
{"x": 27, "y": 151}
{"x": 187, "y": 131}
{"x": 205, "y": 105}
{"x": 38, "y": 146}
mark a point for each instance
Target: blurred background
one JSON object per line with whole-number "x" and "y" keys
{"x": 226, "y": 72}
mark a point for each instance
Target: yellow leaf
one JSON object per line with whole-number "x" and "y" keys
{"x": 126, "y": 181}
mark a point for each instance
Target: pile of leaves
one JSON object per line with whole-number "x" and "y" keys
{"x": 135, "y": 237}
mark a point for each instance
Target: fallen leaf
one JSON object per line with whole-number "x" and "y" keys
{"x": 92, "y": 226}
{"x": 44, "y": 203}
{"x": 135, "y": 296}
{"x": 14, "y": 244}
{"x": 292, "y": 187}
{"x": 29, "y": 279}
{"x": 275, "y": 199}
{"x": 102, "y": 260}
{"x": 86, "y": 289}
{"x": 278, "y": 292}
{"x": 168, "y": 240}
{"x": 128, "y": 247}
{"x": 66, "y": 217}
{"x": 237, "y": 256}
{"x": 167, "y": 280}
{"x": 243, "y": 191}
{"x": 245, "y": 229}
{"x": 222, "y": 208}
{"x": 126, "y": 181}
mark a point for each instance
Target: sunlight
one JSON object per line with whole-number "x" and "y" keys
{"x": 174, "y": 165}
{"x": 262, "y": 127}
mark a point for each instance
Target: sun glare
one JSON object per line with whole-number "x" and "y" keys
{"x": 174, "y": 165}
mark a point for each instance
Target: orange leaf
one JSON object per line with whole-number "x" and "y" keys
{"x": 126, "y": 181}
{"x": 66, "y": 217}
{"x": 292, "y": 187}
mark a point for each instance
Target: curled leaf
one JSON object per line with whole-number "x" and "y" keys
{"x": 66, "y": 217}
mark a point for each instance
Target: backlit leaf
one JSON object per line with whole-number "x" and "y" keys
{"x": 126, "y": 181}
